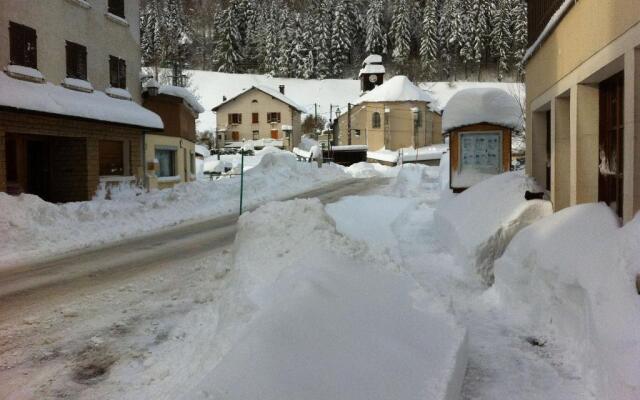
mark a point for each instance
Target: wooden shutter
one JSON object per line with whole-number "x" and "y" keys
{"x": 116, "y": 7}
{"x": 255, "y": 118}
{"x": 122, "y": 74}
{"x": 23, "y": 45}
{"x": 76, "y": 61}
{"x": 278, "y": 117}
{"x": 113, "y": 71}
{"x": 239, "y": 118}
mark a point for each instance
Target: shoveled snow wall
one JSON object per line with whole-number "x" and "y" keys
{"x": 573, "y": 276}
{"x": 311, "y": 314}
{"x": 478, "y": 224}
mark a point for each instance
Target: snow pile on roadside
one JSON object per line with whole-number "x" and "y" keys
{"x": 371, "y": 170}
{"x": 31, "y": 228}
{"x": 416, "y": 180}
{"x": 573, "y": 276}
{"x": 479, "y": 223}
{"x": 327, "y": 319}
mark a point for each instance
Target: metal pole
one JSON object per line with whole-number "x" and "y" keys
{"x": 241, "y": 177}
{"x": 349, "y": 122}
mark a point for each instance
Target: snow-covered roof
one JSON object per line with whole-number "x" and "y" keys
{"x": 482, "y": 105}
{"x": 372, "y": 59}
{"x": 398, "y": 88}
{"x": 372, "y": 69}
{"x": 275, "y": 93}
{"x": 185, "y": 94}
{"x": 54, "y": 99}
{"x": 202, "y": 150}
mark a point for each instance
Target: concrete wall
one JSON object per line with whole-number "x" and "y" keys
{"x": 57, "y": 21}
{"x": 184, "y": 149}
{"x": 245, "y": 105}
{"x": 594, "y": 41}
{"x": 399, "y": 129}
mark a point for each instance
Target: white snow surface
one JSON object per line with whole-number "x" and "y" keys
{"x": 398, "y": 88}
{"x": 478, "y": 224}
{"x": 329, "y": 319}
{"x": 572, "y": 276}
{"x": 372, "y": 59}
{"x": 32, "y": 228}
{"x": 185, "y": 94}
{"x": 409, "y": 154}
{"x": 482, "y": 105}
{"x": 81, "y": 84}
{"x": 118, "y": 93}
{"x": 22, "y": 71}
{"x": 49, "y": 98}
{"x": 202, "y": 150}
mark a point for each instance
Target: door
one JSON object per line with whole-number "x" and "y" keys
{"x": 38, "y": 168}
{"x": 235, "y": 136}
{"x": 274, "y": 134}
{"x": 610, "y": 166}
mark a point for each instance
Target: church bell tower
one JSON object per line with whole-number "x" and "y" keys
{"x": 372, "y": 73}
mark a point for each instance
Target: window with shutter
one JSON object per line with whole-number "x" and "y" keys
{"x": 76, "y": 61}
{"x": 255, "y": 118}
{"x": 116, "y": 7}
{"x": 117, "y": 72}
{"x": 23, "y": 45}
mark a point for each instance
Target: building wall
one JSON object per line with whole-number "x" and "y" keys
{"x": 244, "y": 105}
{"x": 184, "y": 150}
{"x": 594, "y": 41}
{"x": 400, "y": 126}
{"x": 78, "y": 158}
{"x": 3, "y": 164}
{"x": 178, "y": 119}
{"x": 57, "y": 21}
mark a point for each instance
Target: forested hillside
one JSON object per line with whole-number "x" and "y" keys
{"x": 425, "y": 39}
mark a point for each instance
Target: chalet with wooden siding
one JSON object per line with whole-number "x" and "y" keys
{"x": 583, "y": 107}
{"x": 170, "y": 155}
{"x": 70, "y": 112}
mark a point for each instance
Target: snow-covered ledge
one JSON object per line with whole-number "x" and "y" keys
{"x": 116, "y": 19}
{"x": 169, "y": 179}
{"x": 117, "y": 178}
{"x": 80, "y": 3}
{"x": 117, "y": 93}
{"x": 24, "y": 73}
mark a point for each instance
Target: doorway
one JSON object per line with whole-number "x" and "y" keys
{"x": 274, "y": 134}
{"x": 610, "y": 178}
{"x": 39, "y": 168}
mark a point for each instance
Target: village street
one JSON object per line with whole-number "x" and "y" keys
{"x": 157, "y": 324}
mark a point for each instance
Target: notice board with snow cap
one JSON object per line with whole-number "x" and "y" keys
{"x": 480, "y": 122}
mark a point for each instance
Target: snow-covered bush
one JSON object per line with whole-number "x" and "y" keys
{"x": 478, "y": 224}
{"x": 572, "y": 275}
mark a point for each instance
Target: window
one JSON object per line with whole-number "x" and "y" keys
{"x": 116, "y": 7}
{"x": 193, "y": 163}
{"x": 167, "y": 162}
{"x": 111, "y": 157}
{"x": 255, "y": 118}
{"x": 256, "y": 135}
{"x": 273, "y": 117}
{"x": 76, "y": 61}
{"x": 235, "y": 119}
{"x": 117, "y": 72}
{"x": 254, "y": 101}
{"x": 23, "y": 45}
{"x": 375, "y": 120}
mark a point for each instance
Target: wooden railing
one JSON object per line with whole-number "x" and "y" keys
{"x": 539, "y": 14}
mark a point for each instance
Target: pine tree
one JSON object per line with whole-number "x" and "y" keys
{"x": 500, "y": 41}
{"x": 323, "y": 39}
{"x": 519, "y": 36}
{"x": 340, "y": 38}
{"x": 309, "y": 68}
{"x": 429, "y": 40}
{"x": 400, "y": 31}
{"x": 228, "y": 55}
{"x": 376, "y": 42}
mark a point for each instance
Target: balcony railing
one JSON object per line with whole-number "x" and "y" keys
{"x": 539, "y": 14}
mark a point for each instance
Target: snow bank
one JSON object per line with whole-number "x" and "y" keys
{"x": 482, "y": 105}
{"x": 370, "y": 170}
{"x": 479, "y": 223}
{"x": 326, "y": 319}
{"x": 31, "y": 228}
{"x": 409, "y": 154}
{"x": 573, "y": 275}
{"x": 416, "y": 180}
